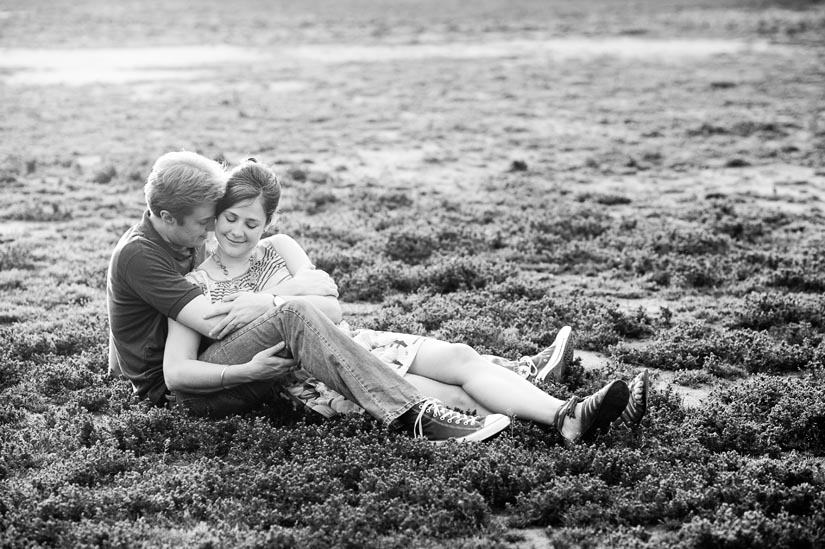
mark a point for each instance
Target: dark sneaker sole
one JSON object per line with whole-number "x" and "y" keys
{"x": 637, "y": 406}
{"x": 612, "y": 406}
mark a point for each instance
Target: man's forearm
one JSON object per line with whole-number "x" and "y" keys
{"x": 196, "y": 376}
{"x": 207, "y": 319}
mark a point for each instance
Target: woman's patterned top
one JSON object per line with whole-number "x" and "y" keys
{"x": 269, "y": 269}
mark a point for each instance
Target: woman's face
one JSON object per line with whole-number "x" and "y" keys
{"x": 239, "y": 228}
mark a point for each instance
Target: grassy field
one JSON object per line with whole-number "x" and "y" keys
{"x": 651, "y": 173}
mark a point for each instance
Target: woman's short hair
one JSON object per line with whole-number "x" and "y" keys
{"x": 249, "y": 181}
{"x": 181, "y": 181}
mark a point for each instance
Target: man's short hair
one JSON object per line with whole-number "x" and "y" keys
{"x": 182, "y": 181}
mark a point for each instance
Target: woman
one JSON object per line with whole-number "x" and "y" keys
{"x": 453, "y": 373}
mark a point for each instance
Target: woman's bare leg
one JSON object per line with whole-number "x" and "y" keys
{"x": 452, "y": 395}
{"x": 495, "y": 388}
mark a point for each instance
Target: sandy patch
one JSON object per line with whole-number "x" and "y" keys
{"x": 112, "y": 65}
{"x": 568, "y": 48}
{"x": 124, "y": 65}
{"x": 692, "y": 397}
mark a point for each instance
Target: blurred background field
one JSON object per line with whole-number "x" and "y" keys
{"x": 651, "y": 173}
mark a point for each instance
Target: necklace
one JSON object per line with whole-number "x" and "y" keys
{"x": 216, "y": 256}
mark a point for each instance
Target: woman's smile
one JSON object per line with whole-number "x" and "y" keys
{"x": 239, "y": 228}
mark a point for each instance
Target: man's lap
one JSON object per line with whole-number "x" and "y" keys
{"x": 237, "y": 400}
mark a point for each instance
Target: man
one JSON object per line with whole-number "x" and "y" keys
{"x": 146, "y": 285}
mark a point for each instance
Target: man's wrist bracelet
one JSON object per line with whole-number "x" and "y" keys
{"x": 222, "y": 373}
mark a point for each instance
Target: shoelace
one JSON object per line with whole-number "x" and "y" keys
{"x": 444, "y": 413}
{"x": 526, "y": 367}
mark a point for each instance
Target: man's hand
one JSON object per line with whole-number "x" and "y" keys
{"x": 267, "y": 366}
{"x": 240, "y": 309}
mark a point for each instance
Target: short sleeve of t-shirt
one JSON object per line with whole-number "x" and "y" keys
{"x": 151, "y": 274}
{"x": 200, "y": 278}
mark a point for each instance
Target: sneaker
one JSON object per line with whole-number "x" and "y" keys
{"x": 553, "y": 360}
{"x": 432, "y": 420}
{"x": 637, "y": 405}
{"x": 598, "y": 411}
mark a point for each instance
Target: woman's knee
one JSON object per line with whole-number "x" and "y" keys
{"x": 302, "y": 308}
{"x": 461, "y": 353}
{"x": 296, "y": 305}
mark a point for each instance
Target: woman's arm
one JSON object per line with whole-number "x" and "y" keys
{"x": 306, "y": 279}
{"x": 307, "y": 282}
{"x": 182, "y": 371}
{"x": 293, "y": 254}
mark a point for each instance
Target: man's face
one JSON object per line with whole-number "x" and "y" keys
{"x": 194, "y": 228}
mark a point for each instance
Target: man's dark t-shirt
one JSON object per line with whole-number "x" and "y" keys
{"x": 145, "y": 287}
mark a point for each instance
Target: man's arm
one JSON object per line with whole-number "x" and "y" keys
{"x": 149, "y": 273}
{"x": 216, "y": 321}
{"x": 114, "y": 364}
{"x": 182, "y": 371}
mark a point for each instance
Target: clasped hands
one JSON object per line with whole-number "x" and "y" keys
{"x": 241, "y": 308}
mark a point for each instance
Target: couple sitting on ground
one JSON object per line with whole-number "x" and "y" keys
{"x": 224, "y": 333}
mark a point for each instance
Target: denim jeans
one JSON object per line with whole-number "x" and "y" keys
{"x": 321, "y": 349}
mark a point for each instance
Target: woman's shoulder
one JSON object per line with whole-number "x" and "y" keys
{"x": 275, "y": 241}
{"x": 198, "y": 275}
{"x": 273, "y": 246}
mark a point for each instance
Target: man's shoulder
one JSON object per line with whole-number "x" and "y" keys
{"x": 135, "y": 241}
{"x": 136, "y": 250}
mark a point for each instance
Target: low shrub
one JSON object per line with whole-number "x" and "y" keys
{"x": 693, "y": 242}
{"x": 31, "y": 340}
{"x": 764, "y": 414}
{"x": 608, "y": 199}
{"x": 412, "y": 245}
{"x": 694, "y": 345}
{"x": 799, "y": 274}
{"x": 580, "y": 223}
{"x": 749, "y": 530}
{"x": 37, "y": 209}
{"x": 510, "y": 314}
{"x": 779, "y": 312}
{"x": 16, "y": 255}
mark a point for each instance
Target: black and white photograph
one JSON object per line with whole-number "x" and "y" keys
{"x": 490, "y": 274}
